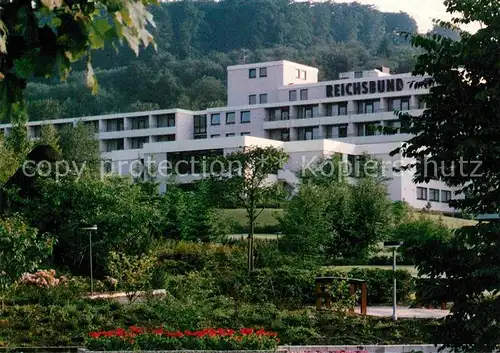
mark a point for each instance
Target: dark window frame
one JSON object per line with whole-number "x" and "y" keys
{"x": 425, "y": 195}
{"x": 263, "y": 70}
{"x": 252, "y": 73}
{"x": 432, "y": 195}
{"x": 233, "y": 114}
{"x": 245, "y": 113}
{"x": 212, "y": 116}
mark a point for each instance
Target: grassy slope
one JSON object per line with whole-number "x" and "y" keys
{"x": 268, "y": 217}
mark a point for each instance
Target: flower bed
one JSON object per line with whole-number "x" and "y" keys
{"x": 159, "y": 339}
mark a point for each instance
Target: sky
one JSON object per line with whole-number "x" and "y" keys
{"x": 423, "y": 11}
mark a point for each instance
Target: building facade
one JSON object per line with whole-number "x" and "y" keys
{"x": 278, "y": 103}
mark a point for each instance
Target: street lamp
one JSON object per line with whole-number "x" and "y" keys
{"x": 394, "y": 245}
{"x": 90, "y": 229}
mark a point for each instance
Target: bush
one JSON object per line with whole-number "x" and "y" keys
{"x": 64, "y": 293}
{"x": 379, "y": 283}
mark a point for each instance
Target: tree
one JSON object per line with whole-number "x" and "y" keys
{"x": 38, "y": 38}
{"x": 333, "y": 218}
{"x": 22, "y": 249}
{"x": 128, "y": 218}
{"x": 244, "y": 181}
{"x": 191, "y": 214}
{"x": 8, "y": 162}
{"x": 49, "y": 136}
{"x": 80, "y": 145}
{"x": 458, "y": 136}
{"x": 18, "y": 140}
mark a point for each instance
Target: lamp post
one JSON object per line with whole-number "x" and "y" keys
{"x": 394, "y": 245}
{"x": 90, "y": 229}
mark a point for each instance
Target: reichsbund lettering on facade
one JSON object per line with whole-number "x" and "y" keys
{"x": 366, "y": 87}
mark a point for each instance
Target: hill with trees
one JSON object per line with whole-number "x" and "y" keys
{"x": 198, "y": 39}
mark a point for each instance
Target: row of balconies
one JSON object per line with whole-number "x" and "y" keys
{"x": 315, "y": 113}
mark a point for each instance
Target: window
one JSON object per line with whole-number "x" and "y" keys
{"x": 230, "y": 118}
{"x": 308, "y": 133}
{"x": 298, "y": 73}
{"x": 393, "y": 126}
{"x": 215, "y": 119}
{"x": 114, "y": 125}
{"x": 279, "y": 114}
{"x": 263, "y": 98}
{"x": 405, "y": 103}
{"x": 245, "y": 117}
{"x": 285, "y": 134}
{"x": 138, "y": 142}
{"x": 140, "y": 123}
{"x": 358, "y": 74}
{"x": 263, "y": 72}
{"x": 343, "y": 130}
{"x": 165, "y": 138}
{"x": 434, "y": 195}
{"x": 245, "y": 134}
{"x": 114, "y": 145}
{"x": 252, "y": 99}
{"x": 292, "y": 95}
{"x": 368, "y": 107}
{"x": 232, "y": 134}
{"x": 165, "y": 120}
{"x": 252, "y": 73}
{"x": 352, "y": 165}
{"x": 308, "y": 111}
{"x": 215, "y": 136}
{"x": 92, "y": 125}
{"x": 200, "y": 126}
{"x": 37, "y": 131}
{"x": 304, "y": 74}
{"x": 445, "y": 196}
{"x": 421, "y": 193}
{"x": 336, "y": 109}
{"x": 401, "y": 103}
{"x": 303, "y": 94}
{"x": 342, "y": 108}
{"x": 368, "y": 129}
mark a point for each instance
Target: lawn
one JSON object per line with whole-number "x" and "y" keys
{"x": 268, "y": 218}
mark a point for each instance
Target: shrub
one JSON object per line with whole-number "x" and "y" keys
{"x": 42, "y": 278}
{"x": 379, "y": 283}
{"x": 132, "y": 273}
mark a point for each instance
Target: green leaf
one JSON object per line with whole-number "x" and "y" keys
{"x": 25, "y": 67}
{"x": 91, "y": 79}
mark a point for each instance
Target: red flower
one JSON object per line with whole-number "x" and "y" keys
{"x": 246, "y": 331}
{"x": 95, "y": 335}
{"x": 136, "y": 329}
{"x": 120, "y": 332}
{"x": 158, "y": 331}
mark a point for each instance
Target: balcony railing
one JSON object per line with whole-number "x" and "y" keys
{"x": 330, "y": 114}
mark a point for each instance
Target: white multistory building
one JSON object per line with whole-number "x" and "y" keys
{"x": 279, "y": 103}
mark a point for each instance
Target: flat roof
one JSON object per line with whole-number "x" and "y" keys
{"x": 270, "y": 63}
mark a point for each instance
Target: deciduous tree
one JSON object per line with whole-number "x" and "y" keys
{"x": 38, "y": 38}
{"x": 459, "y": 135}
{"x": 244, "y": 181}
